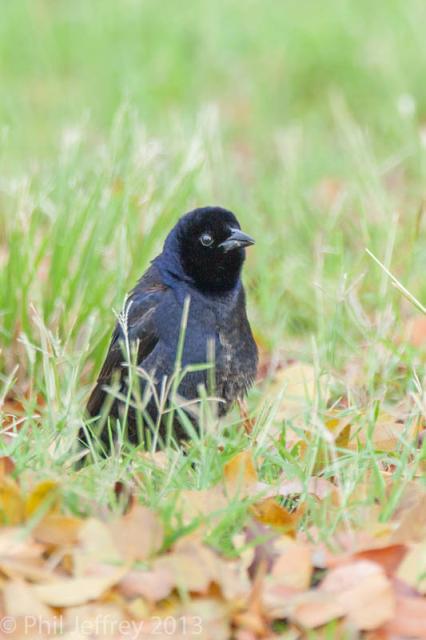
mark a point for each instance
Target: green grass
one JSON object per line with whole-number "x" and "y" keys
{"x": 310, "y": 123}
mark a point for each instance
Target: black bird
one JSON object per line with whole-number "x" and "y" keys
{"x": 201, "y": 261}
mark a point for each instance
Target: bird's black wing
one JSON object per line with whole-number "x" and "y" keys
{"x": 140, "y": 308}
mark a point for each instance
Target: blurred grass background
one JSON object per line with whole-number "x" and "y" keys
{"x": 308, "y": 119}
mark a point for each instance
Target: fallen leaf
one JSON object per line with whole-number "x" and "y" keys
{"x": 205, "y": 619}
{"x": 14, "y": 543}
{"x": 7, "y": 466}
{"x": 12, "y": 507}
{"x": 411, "y": 515}
{"x": 12, "y": 412}
{"x": 385, "y": 434}
{"x": 269, "y": 512}
{"x": 20, "y": 600}
{"x": 192, "y": 567}
{"x": 138, "y": 534}
{"x": 298, "y": 385}
{"x": 97, "y": 620}
{"x": 44, "y": 496}
{"x": 153, "y": 585}
{"x": 75, "y": 591}
{"x": 32, "y": 569}
{"x": 409, "y": 620}
{"x": 339, "y": 427}
{"x": 57, "y": 529}
{"x": 240, "y": 474}
{"x": 388, "y": 557}
{"x": 412, "y": 569}
{"x": 293, "y": 567}
{"x": 364, "y": 593}
{"x": 96, "y": 548}
{"x": 314, "y": 609}
{"x": 193, "y": 504}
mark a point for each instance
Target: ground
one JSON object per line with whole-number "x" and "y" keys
{"x": 310, "y": 123}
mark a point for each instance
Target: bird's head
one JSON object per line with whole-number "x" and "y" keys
{"x": 211, "y": 248}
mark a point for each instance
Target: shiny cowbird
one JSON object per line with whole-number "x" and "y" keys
{"x": 200, "y": 263}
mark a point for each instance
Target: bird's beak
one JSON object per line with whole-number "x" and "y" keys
{"x": 236, "y": 240}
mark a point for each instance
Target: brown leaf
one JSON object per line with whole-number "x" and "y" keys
{"x": 138, "y": 534}
{"x": 364, "y": 593}
{"x": 293, "y": 567}
{"x": 411, "y": 515}
{"x": 12, "y": 411}
{"x": 153, "y": 585}
{"x": 124, "y": 496}
{"x": 314, "y": 609}
{"x": 269, "y": 512}
{"x": 409, "y": 620}
{"x": 388, "y": 557}
{"x": 191, "y": 566}
{"x": 57, "y": 529}
{"x": 194, "y": 567}
{"x": 14, "y": 544}
{"x": 96, "y": 548}
{"x": 385, "y": 435}
{"x": 7, "y": 466}
{"x": 240, "y": 474}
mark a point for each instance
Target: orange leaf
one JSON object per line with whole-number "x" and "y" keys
{"x": 388, "y": 557}
{"x": 269, "y": 512}
{"x": 57, "y": 530}
{"x": 7, "y": 466}
{"x": 240, "y": 473}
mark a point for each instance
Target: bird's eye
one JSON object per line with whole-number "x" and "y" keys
{"x": 206, "y": 239}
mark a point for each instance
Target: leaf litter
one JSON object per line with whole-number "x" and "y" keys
{"x": 368, "y": 580}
